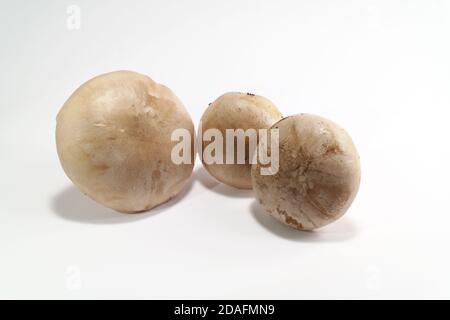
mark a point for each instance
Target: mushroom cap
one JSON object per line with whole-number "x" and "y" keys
{"x": 113, "y": 137}
{"x": 318, "y": 176}
{"x": 236, "y": 110}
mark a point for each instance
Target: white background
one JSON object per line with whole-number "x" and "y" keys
{"x": 380, "y": 69}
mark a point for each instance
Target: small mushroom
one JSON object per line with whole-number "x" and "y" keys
{"x": 113, "y": 137}
{"x": 318, "y": 176}
{"x": 236, "y": 110}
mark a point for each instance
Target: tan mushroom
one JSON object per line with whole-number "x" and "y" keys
{"x": 113, "y": 137}
{"x": 235, "y": 110}
{"x": 318, "y": 176}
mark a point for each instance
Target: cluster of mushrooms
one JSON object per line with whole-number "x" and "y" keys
{"x": 113, "y": 137}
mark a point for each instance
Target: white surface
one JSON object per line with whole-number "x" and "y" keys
{"x": 381, "y": 69}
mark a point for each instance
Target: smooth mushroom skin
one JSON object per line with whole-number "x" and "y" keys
{"x": 113, "y": 137}
{"x": 318, "y": 177}
{"x": 236, "y": 110}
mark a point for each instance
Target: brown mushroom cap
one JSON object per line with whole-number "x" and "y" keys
{"x": 318, "y": 176}
{"x": 113, "y": 137}
{"x": 236, "y": 110}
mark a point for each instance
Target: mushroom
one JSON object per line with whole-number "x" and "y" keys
{"x": 113, "y": 137}
{"x": 235, "y": 110}
{"x": 318, "y": 175}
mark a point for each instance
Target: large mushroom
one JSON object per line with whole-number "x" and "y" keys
{"x": 113, "y": 137}
{"x": 318, "y": 176}
{"x": 236, "y": 111}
